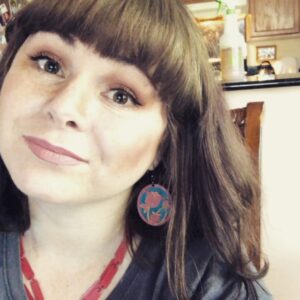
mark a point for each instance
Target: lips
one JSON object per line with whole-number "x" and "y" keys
{"x": 51, "y": 153}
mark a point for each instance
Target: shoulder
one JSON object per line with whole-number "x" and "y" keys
{"x": 9, "y": 244}
{"x": 210, "y": 278}
{"x": 9, "y": 266}
{"x": 8, "y": 237}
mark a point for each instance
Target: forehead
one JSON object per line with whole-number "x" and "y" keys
{"x": 144, "y": 35}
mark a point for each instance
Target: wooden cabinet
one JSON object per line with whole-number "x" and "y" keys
{"x": 272, "y": 19}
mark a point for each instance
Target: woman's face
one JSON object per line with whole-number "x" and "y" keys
{"x": 75, "y": 126}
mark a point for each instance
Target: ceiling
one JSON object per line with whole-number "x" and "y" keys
{"x": 196, "y": 1}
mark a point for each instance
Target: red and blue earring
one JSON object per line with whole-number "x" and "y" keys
{"x": 154, "y": 204}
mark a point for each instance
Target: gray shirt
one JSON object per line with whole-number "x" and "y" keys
{"x": 145, "y": 279}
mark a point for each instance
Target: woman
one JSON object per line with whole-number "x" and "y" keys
{"x": 121, "y": 174}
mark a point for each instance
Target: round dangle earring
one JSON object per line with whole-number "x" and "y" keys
{"x": 154, "y": 204}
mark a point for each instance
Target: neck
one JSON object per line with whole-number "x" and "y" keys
{"x": 85, "y": 230}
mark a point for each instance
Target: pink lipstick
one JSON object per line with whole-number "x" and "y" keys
{"x": 51, "y": 153}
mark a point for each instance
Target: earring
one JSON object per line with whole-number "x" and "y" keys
{"x": 154, "y": 204}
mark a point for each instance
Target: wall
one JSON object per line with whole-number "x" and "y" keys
{"x": 285, "y": 47}
{"x": 209, "y": 9}
{"x": 280, "y": 168}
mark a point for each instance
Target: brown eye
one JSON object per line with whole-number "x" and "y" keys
{"x": 51, "y": 66}
{"x": 122, "y": 97}
{"x": 48, "y": 64}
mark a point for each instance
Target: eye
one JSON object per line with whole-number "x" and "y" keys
{"x": 48, "y": 64}
{"x": 122, "y": 96}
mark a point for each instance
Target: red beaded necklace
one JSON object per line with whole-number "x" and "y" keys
{"x": 93, "y": 293}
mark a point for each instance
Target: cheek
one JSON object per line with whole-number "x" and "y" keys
{"x": 138, "y": 152}
{"x": 11, "y": 112}
{"x": 15, "y": 96}
{"x": 131, "y": 144}
{"x": 8, "y": 109}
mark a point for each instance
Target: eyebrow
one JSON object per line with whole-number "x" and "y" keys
{"x": 70, "y": 40}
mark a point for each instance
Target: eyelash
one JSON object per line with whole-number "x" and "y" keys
{"x": 129, "y": 94}
{"x": 48, "y": 58}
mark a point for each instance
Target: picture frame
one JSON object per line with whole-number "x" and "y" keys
{"x": 267, "y": 52}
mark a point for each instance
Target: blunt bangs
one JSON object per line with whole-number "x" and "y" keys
{"x": 138, "y": 32}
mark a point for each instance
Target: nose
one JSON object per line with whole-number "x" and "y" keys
{"x": 68, "y": 105}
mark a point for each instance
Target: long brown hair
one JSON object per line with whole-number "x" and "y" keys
{"x": 202, "y": 159}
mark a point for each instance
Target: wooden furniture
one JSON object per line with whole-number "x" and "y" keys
{"x": 248, "y": 120}
{"x": 269, "y": 19}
